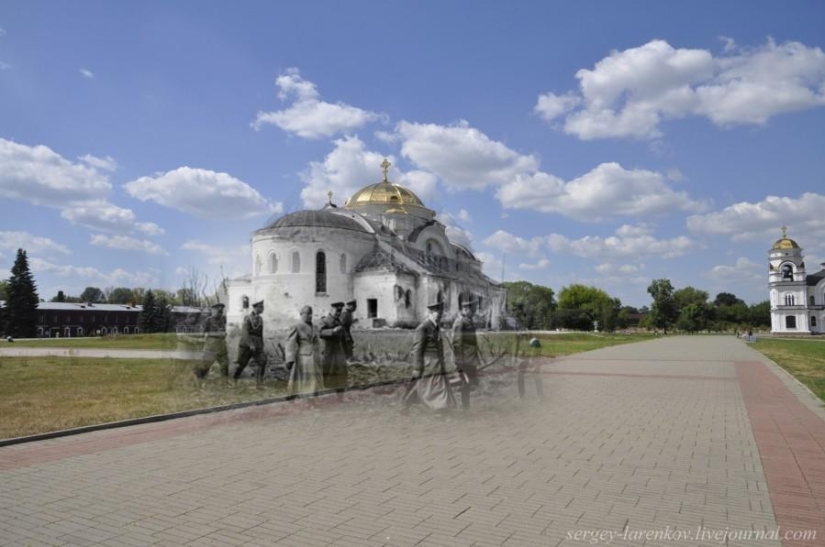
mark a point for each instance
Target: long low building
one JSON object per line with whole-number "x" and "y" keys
{"x": 75, "y": 319}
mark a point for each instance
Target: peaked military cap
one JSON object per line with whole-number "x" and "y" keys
{"x": 258, "y": 303}
{"x": 337, "y": 304}
{"x": 218, "y": 306}
{"x": 352, "y": 303}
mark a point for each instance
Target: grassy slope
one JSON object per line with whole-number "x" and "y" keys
{"x": 805, "y": 359}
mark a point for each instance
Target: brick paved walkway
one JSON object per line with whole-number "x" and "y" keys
{"x": 657, "y": 438}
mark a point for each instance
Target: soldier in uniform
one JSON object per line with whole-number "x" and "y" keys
{"x": 251, "y": 345}
{"x": 429, "y": 383}
{"x": 214, "y": 341}
{"x": 347, "y": 321}
{"x": 465, "y": 350}
{"x": 333, "y": 358}
{"x": 305, "y": 373}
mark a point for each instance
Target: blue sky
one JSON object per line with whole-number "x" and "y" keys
{"x": 602, "y": 143}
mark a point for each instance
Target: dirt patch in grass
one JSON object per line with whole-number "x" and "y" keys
{"x": 804, "y": 359}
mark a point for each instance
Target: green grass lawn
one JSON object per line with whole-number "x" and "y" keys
{"x": 41, "y": 394}
{"x": 805, "y": 359}
{"x": 119, "y": 341}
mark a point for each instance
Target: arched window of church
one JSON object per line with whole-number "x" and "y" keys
{"x": 296, "y": 262}
{"x": 320, "y": 272}
{"x": 811, "y": 300}
{"x": 407, "y": 298}
{"x": 789, "y": 300}
{"x": 342, "y": 264}
{"x": 790, "y": 322}
{"x": 273, "y": 263}
{"x": 257, "y": 264}
{"x": 787, "y": 271}
{"x": 813, "y": 320}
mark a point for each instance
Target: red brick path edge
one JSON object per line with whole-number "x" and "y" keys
{"x": 791, "y": 442}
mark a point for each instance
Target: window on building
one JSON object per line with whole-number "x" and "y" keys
{"x": 80, "y": 331}
{"x": 343, "y": 263}
{"x": 296, "y": 262}
{"x": 257, "y": 264}
{"x": 787, "y": 271}
{"x": 789, "y": 300}
{"x": 408, "y": 298}
{"x": 372, "y": 307}
{"x": 320, "y": 272}
{"x": 273, "y": 263}
{"x": 790, "y": 322}
{"x": 813, "y": 320}
{"x": 245, "y": 302}
{"x": 811, "y": 300}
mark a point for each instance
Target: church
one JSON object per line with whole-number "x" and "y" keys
{"x": 383, "y": 248}
{"x": 797, "y": 299}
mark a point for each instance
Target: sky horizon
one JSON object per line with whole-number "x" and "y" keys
{"x": 605, "y": 144}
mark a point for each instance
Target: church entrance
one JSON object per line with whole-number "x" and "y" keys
{"x": 372, "y": 308}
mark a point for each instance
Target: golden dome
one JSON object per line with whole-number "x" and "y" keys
{"x": 785, "y": 242}
{"x": 384, "y": 193}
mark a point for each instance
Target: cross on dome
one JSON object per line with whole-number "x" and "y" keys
{"x": 385, "y": 166}
{"x": 784, "y": 231}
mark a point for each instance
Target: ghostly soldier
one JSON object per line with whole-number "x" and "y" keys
{"x": 465, "y": 350}
{"x": 333, "y": 358}
{"x": 429, "y": 383}
{"x": 305, "y": 373}
{"x": 347, "y": 321}
{"x": 214, "y": 341}
{"x": 251, "y": 345}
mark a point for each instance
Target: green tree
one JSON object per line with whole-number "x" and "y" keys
{"x": 726, "y": 299}
{"x": 148, "y": 320}
{"x": 689, "y": 295}
{"x": 163, "y": 314}
{"x": 759, "y": 315}
{"x": 21, "y": 305}
{"x": 694, "y": 317}
{"x": 589, "y": 302}
{"x": 122, "y": 295}
{"x": 531, "y": 305}
{"x": 93, "y": 295}
{"x": 663, "y": 312}
{"x": 60, "y": 297}
{"x": 4, "y": 289}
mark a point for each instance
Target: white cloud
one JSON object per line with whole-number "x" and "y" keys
{"x": 746, "y": 221}
{"x": 308, "y": 116}
{"x": 215, "y": 254}
{"x": 540, "y": 265}
{"x": 117, "y": 277}
{"x": 126, "y": 243}
{"x": 106, "y": 164}
{"x": 149, "y": 228}
{"x": 349, "y": 167}
{"x": 619, "y": 270}
{"x": 203, "y": 193}
{"x": 30, "y": 243}
{"x": 464, "y": 216}
{"x": 629, "y": 93}
{"x": 629, "y": 241}
{"x": 508, "y": 243}
{"x": 550, "y": 106}
{"x": 491, "y": 265}
{"x": 455, "y": 233}
{"x": 39, "y": 175}
{"x": 461, "y": 155}
{"x": 606, "y": 191}
{"x": 86, "y": 73}
{"x": 742, "y": 271}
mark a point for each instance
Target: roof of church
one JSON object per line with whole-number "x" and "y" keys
{"x": 785, "y": 243}
{"x": 324, "y": 218}
{"x": 813, "y": 279}
{"x": 380, "y": 260}
{"x": 385, "y": 193}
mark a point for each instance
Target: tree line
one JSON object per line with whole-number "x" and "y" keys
{"x": 18, "y": 318}
{"x": 583, "y": 307}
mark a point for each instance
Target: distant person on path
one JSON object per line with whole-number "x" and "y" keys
{"x": 305, "y": 373}
{"x": 251, "y": 345}
{"x": 529, "y": 363}
{"x": 465, "y": 350}
{"x": 333, "y": 358}
{"x": 347, "y": 321}
{"x": 429, "y": 384}
{"x": 214, "y": 341}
